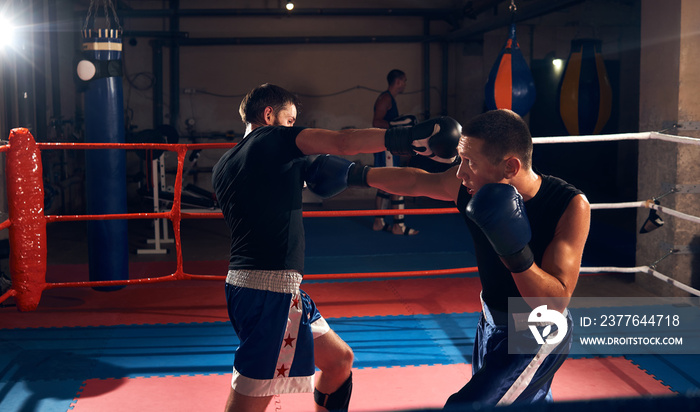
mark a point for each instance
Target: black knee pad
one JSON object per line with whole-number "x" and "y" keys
{"x": 338, "y": 400}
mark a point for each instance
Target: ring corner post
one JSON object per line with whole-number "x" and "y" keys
{"x": 27, "y": 231}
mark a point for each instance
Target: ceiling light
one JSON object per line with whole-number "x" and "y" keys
{"x": 290, "y": 5}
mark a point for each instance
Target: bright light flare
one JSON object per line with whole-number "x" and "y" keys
{"x": 557, "y": 63}
{"x": 290, "y": 6}
{"x": 7, "y": 32}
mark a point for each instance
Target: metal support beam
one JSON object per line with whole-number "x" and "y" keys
{"x": 53, "y": 56}
{"x": 155, "y": 34}
{"x": 426, "y": 70}
{"x": 233, "y": 41}
{"x": 39, "y": 71}
{"x": 525, "y": 12}
{"x": 157, "y": 61}
{"x": 430, "y": 13}
{"x": 445, "y": 76}
{"x": 174, "y": 67}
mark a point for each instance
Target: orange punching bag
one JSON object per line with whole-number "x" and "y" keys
{"x": 585, "y": 97}
{"x": 510, "y": 84}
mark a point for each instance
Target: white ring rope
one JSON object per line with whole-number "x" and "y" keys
{"x": 673, "y": 212}
{"x": 592, "y": 138}
{"x": 643, "y": 269}
{"x": 674, "y": 139}
{"x": 647, "y": 204}
{"x": 625, "y": 205}
{"x": 618, "y": 136}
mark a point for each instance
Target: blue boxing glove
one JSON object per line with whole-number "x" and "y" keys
{"x": 499, "y": 211}
{"x": 435, "y": 138}
{"x": 329, "y": 175}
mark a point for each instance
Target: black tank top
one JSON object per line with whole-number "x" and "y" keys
{"x": 393, "y": 112}
{"x": 543, "y": 211}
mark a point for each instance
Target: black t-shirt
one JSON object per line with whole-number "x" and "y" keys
{"x": 258, "y": 184}
{"x": 543, "y": 211}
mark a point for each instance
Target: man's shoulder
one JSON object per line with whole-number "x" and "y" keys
{"x": 557, "y": 183}
{"x": 264, "y": 132}
{"x": 555, "y": 196}
{"x": 384, "y": 98}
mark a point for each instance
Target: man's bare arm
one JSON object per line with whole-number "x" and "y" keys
{"x": 407, "y": 181}
{"x": 343, "y": 142}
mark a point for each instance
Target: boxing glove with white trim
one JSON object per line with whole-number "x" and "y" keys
{"x": 435, "y": 138}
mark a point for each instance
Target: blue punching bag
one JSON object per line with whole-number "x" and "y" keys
{"x": 510, "y": 84}
{"x": 105, "y": 171}
{"x": 585, "y": 95}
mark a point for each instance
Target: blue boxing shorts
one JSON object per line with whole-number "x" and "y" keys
{"x": 276, "y": 324}
{"x": 500, "y": 378}
{"x": 384, "y": 159}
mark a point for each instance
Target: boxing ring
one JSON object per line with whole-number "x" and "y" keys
{"x": 27, "y": 222}
{"x": 179, "y": 336}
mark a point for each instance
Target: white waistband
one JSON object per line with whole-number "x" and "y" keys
{"x": 281, "y": 281}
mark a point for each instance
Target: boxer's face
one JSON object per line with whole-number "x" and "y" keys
{"x": 401, "y": 84}
{"x": 476, "y": 170}
{"x": 287, "y": 116}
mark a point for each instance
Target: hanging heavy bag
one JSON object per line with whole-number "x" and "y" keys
{"x": 510, "y": 84}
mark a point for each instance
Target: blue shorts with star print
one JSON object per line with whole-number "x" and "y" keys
{"x": 276, "y": 324}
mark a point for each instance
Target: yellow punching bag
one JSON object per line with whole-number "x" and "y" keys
{"x": 585, "y": 96}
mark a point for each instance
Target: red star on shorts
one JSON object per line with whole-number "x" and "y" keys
{"x": 295, "y": 302}
{"x": 288, "y": 340}
{"x": 282, "y": 371}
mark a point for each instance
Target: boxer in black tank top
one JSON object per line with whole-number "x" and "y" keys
{"x": 529, "y": 231}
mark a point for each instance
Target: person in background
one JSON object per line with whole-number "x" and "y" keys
{"x": 386, "y": 115}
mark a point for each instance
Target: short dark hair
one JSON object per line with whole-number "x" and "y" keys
{"x": 394, "y": 75}
{"x": 252, "y": 108}
{"x": 503, "y": 132}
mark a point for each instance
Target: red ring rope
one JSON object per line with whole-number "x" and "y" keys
{"x": 27, "y": 222}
